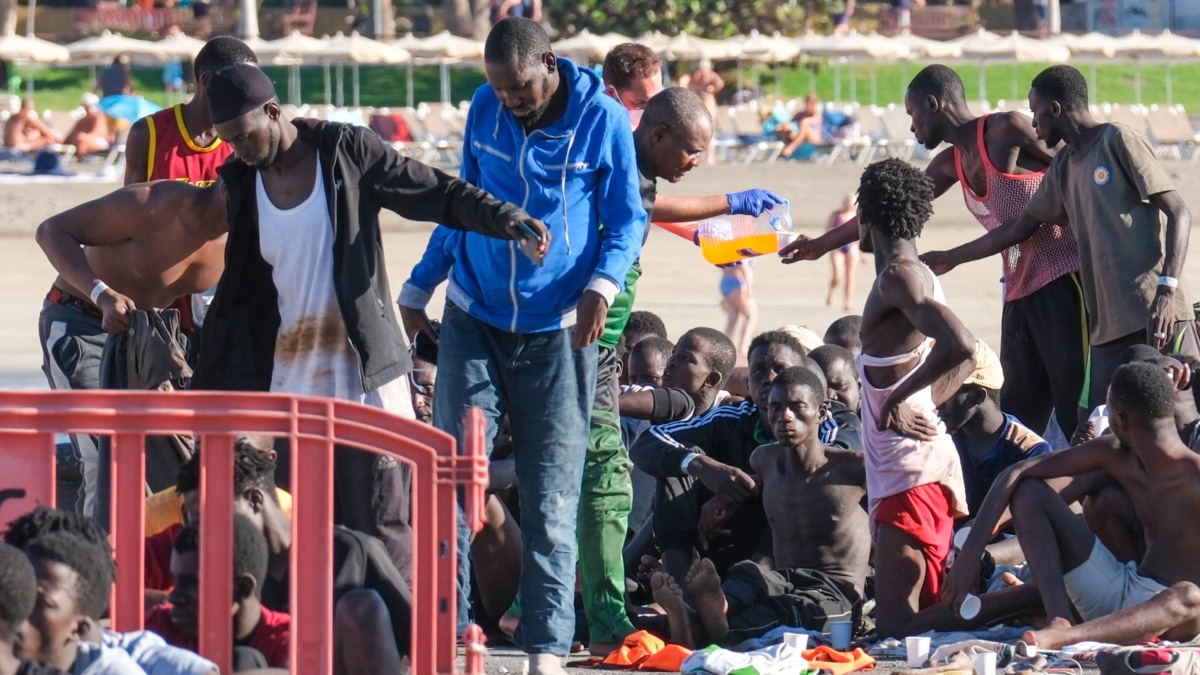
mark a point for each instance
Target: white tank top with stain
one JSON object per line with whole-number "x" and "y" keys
{"x": 313, "y": 354}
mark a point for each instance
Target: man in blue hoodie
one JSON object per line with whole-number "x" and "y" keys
{"x": 520, "y": 338}
{"x": 675, "y": 129}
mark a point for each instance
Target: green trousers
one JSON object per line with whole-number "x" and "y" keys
{"x": 605, "y": 501}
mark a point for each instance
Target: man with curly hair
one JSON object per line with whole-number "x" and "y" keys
{"x": 915, "y": 354}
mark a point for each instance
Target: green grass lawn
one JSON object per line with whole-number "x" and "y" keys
{"x": 60, "y": 88}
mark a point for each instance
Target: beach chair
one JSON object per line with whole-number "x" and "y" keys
{"x": 898, "y": 127}
{"x": 1101, "y": 112}
{"x": 443, "y": 131}
{"x": 419, "y": 147}
{"x": 1131, "y": 116}
{"x": 747, "y": 125}
{"x": 1173, "y": 133}
{"x": 855, "y": 148}
{"x": 116, "y": 153}
{"x": 870, "y": 118}
{"x": 725, "y": 139}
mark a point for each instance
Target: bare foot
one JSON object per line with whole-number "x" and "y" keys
{"x": 1053, "y": 636}
{"x": 704, "y": 590}
{"x": 508, "y": 623}
{"x": 669, "y": 596}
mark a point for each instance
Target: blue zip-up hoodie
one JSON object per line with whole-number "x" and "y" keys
{"x": 573, "y": 174}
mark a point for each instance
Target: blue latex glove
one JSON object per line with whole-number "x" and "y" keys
{"x": 753, "y": 202}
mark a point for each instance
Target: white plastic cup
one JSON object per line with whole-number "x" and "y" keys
{"x": 960, "y": 537}
{"x": 840, "y": 632}
{"x": 786, "y": 237}
{"x": 918, "y": 651}
{"x": 969, "y": 609}
{"x": 797, "y": 640}
{"x": 984, "y": 663}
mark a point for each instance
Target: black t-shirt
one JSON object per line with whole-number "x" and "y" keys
{"x": 360, "y": 561}
{"x": 38, "y": 668}
{"x": 648, "y": 186}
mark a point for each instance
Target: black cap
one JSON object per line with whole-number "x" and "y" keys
{"x": 236, "y": 90}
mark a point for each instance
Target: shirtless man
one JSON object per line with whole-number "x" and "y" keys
{"x": 819, "y": 565}
{"x": 999, "y": 162}
{"x": 106, "y": 238}
{"x": 915, "y": 353}
{"x": 1119, "y": 603}
{"x": 25, "y": 132}
{"x": 91, "y": 133}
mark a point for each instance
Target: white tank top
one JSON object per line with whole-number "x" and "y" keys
{"x": 313, "y": 354}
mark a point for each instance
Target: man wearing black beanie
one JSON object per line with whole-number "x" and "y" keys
{"x": 304, "y": 305}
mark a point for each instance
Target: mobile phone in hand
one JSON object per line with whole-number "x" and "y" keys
{"x": 530, "y": 243}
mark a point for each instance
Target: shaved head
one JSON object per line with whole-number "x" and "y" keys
{"x": 676, "y": 108}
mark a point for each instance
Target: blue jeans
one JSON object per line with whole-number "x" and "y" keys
{"x": 546, "y": 389}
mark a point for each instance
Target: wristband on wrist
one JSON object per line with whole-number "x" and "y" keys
{"x": 97, "y": 290}
{"x": 1169, "y": 282}
{"x": 683, "y": 466}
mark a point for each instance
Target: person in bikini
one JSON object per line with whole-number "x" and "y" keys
{"x": 844, "y": 259}
{"x": 999, "y": 163}
{"x": 915, "y": 353}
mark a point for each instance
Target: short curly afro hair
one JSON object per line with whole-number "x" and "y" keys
{"x": 18, "y": 590}
{"x": 896, "y": 198}
{"x": 1144, "y": 390}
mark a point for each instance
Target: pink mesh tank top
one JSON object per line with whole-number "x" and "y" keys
{"x": 1031, "y": 264}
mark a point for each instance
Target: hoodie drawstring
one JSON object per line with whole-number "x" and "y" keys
{"x": 563, "y": 185}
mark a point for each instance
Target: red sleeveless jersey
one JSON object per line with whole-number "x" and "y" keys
{"x": 174, "y": 156}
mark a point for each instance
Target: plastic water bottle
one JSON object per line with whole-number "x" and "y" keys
{"x": 729, "y": 239}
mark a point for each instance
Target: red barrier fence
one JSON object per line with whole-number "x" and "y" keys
{"x": 29, "y": 422}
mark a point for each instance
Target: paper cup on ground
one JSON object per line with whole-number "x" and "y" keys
{"x": 960, "y": 537}
{"x": 840, "y": 633}
{"x": 918, "y": 651}
{"x": 969, "y": 609}
{"x": 984, "y": 663}
{"x": 797, "y": 640}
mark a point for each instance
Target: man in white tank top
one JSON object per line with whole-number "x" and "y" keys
{"x": 304, "y": 305}
{"x": 915, "y": 354}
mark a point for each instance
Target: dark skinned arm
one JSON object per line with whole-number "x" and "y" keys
{"x": 1179, "y": 227}
{"x": 941, "y": 171}
{"x": 1017, "y": 131}
{"x": 137, "y": 153}
{"x": 1089, "y": 459}
{"x": 902, "y": 288}
{"x": 681, "y": 209}
{"x": 1002, "y": 238}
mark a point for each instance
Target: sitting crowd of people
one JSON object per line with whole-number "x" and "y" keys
{"x": 826, "y": 480}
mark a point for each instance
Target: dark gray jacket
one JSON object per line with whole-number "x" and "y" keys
{"x": 362, "y": 174}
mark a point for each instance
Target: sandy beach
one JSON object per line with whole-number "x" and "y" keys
{"x": 677, "y": 285}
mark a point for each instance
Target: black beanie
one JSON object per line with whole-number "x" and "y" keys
{"x": 235, "y": 90}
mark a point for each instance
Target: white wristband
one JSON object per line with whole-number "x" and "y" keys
{"x": 691, "y": 457}
{"x": 1169, "y": 282}
{"x": 99, "y": 288}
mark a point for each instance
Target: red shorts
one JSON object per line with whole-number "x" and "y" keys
{"x": 924, "y": 514}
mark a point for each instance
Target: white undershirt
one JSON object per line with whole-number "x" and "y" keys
{"x": 313, "y": 354}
